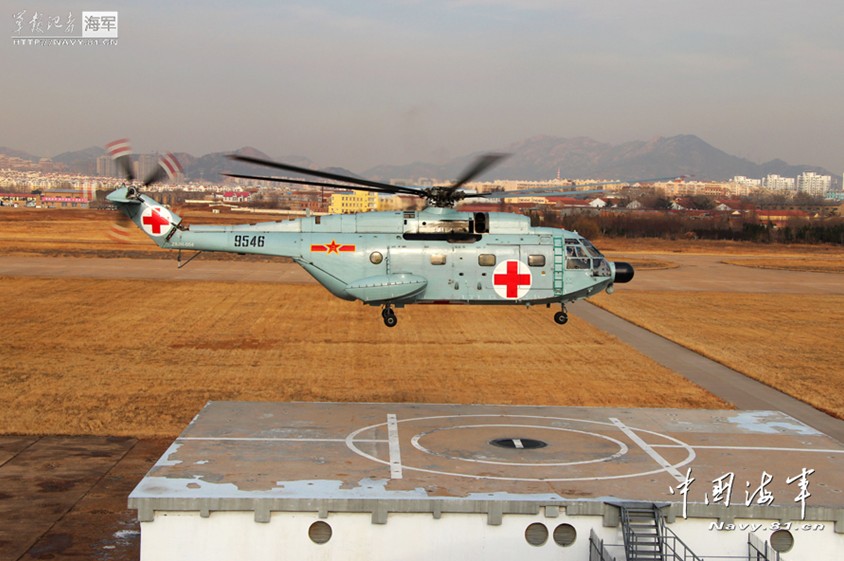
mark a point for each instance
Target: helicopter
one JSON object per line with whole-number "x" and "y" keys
{"x": 390, "y": 259}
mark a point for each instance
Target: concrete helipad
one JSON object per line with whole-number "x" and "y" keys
{"x": 385, "y": 458}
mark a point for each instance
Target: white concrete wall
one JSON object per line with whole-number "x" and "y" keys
{"x": 410, "y": 537}
{"x": 817, "y": 545}
{"x": 225, "y": 536}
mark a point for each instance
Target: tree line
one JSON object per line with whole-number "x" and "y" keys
{"x": 677, "y": 225}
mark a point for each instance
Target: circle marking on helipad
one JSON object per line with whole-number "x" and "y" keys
{"x": 350, "y": 443}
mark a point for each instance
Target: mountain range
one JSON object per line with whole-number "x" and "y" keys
{"x": 541, "y": 157}
{"x": 536, "y": 158}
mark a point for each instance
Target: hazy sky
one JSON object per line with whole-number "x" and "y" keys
{"x": 359, "y": 83}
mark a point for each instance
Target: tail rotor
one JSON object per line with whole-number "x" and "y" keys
{"x": 121, "y": 152}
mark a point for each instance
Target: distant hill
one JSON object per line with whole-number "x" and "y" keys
{"x": 82, "y": 161}
{"x": 70, "y": 158}
{"x": 535, "y": 158}
{"x": 540, "y": 157}
{"x": 209, "y": 166}
{"x": 18, "y": 154}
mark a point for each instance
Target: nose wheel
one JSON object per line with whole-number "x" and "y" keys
{"x": 390, "y": 319}
{"x": 562, "y": 317}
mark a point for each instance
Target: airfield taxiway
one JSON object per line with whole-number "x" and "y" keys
{"x": 695, "y": 273}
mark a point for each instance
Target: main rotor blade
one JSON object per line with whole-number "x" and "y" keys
{"x": 158, "y": 174}
{"x": 168, "y": 166}
{"x": 314, "y": 183}
{"x": 384, "y": 187}
{"x": 481, "y": 165}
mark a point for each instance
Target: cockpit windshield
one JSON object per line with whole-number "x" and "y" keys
{"x": 581, "y": 254}
{"x": 593, "y": 251}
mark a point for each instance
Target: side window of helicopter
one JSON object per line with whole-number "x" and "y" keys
{"x": 437, "y": 259}
{"x": 486, "y": 260}
{"x": 536, "y": 260}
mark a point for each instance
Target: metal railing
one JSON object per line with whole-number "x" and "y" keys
{"x": 673, "y": 547}
{"x": 758, "y": 550}
{"x": 597, "y": 551}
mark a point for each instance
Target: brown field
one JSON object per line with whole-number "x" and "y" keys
{"x": 791, "y": 342}
{"x": 141, "y": 357}
{"x": 73, "y": 232}
{"x": 656, "y": 246}
{"x": 830, "y": 264}
{"x": 88, "y": 233}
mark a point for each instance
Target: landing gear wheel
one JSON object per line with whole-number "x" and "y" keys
{"x": 390, "y": 319}
{"x": 561, "y": 318}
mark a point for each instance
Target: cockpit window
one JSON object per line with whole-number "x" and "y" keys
{"x": 582, "y": 255}
{"x": 576, "y": 256}
{"x": 593, "y": 251}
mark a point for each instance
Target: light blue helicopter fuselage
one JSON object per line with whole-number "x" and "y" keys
{"x": 436, "y": 255}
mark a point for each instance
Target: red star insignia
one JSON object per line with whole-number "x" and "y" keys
{"x": 332, "y": 247}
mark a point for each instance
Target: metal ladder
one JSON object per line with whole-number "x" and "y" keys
{"x": 647, "y": 538}
{"x": 641, "y": 529}
{"x": 559, "y": 265}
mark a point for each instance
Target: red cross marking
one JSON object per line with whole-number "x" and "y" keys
{"x": 155, "y": 221}
{"x": 512, "y": 279}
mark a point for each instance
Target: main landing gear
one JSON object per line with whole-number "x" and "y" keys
{"x": 562, "y": 316}
{"x": 390, "y": 319}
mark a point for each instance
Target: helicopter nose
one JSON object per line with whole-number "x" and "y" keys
{"x": 623, "y": 272}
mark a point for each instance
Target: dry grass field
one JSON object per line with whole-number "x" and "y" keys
{"x": 141, "y": 357}
{"x": 73, "y": 232}
{"x": 791, "y": 342}
{"x": 90, "y": 233}
{"x": 826, "y": 264}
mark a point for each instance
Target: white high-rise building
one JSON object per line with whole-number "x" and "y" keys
{"x": 813, "y": 184}
{"x": 106, "y": 167}
{"x": 746, "y": 181}
{"x": 776, "y": 183}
